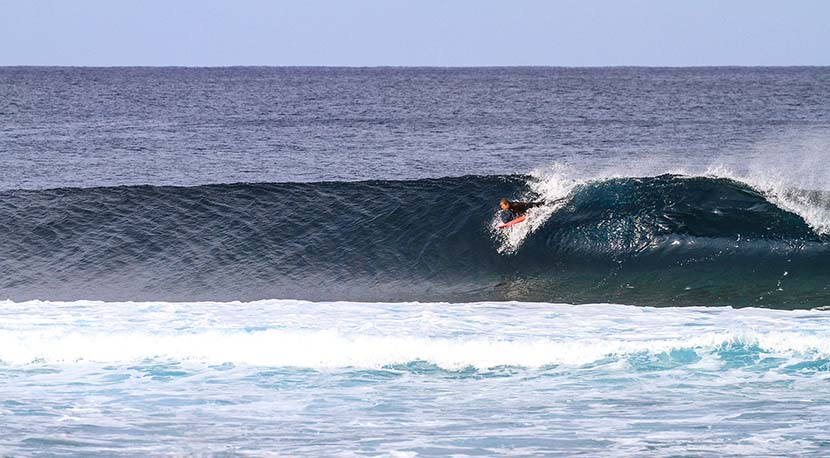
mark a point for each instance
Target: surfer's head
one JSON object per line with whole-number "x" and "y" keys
{"x": 504, "y": 204}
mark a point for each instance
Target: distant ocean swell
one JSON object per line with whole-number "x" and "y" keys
{"x": 663, "y": 240}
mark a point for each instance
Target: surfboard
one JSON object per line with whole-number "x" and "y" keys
{"x": 511, "y": 222}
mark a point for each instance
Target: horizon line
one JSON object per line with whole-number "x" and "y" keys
{"x": 419, "y": 66}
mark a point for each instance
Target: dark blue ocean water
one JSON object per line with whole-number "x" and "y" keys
{"x": 380, "y": 184}
{"x": 304, "y": 262}
{"x": 71, "y": 127}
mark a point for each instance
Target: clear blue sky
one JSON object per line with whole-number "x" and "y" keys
{"x": 414, "y": 32}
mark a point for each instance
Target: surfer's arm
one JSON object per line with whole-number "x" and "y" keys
{"x": 542, "y": 202}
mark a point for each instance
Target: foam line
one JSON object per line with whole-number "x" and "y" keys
{"x": 330, "y": 349}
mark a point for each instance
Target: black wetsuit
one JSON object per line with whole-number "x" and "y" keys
{"x": 520, "y": 208}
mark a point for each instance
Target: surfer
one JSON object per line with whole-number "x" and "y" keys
{"x": 512, "y": 210}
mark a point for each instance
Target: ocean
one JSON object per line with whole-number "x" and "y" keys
{"x": 304, "y": 262}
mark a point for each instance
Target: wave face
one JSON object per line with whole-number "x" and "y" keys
{"x": 665, "y": 240}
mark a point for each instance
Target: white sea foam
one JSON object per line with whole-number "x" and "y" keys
{"x": 133, "y": 372}
{"x": 330, "y": 349}
{"x": 344, "y": 334}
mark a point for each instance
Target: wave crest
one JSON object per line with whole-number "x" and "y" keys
{"x": 413, "y": 240}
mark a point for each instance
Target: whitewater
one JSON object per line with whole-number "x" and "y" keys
{"x": 332, "y": 378}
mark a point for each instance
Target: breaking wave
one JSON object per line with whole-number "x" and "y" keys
{"x": 659, "y": 240}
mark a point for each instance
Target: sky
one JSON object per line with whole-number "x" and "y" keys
{"x": 414, "y": 32}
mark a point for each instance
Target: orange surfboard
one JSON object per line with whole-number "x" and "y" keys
{"x": 511, "y": 222}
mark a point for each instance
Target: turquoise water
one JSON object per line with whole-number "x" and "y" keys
{"x": 299, "y": 378}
